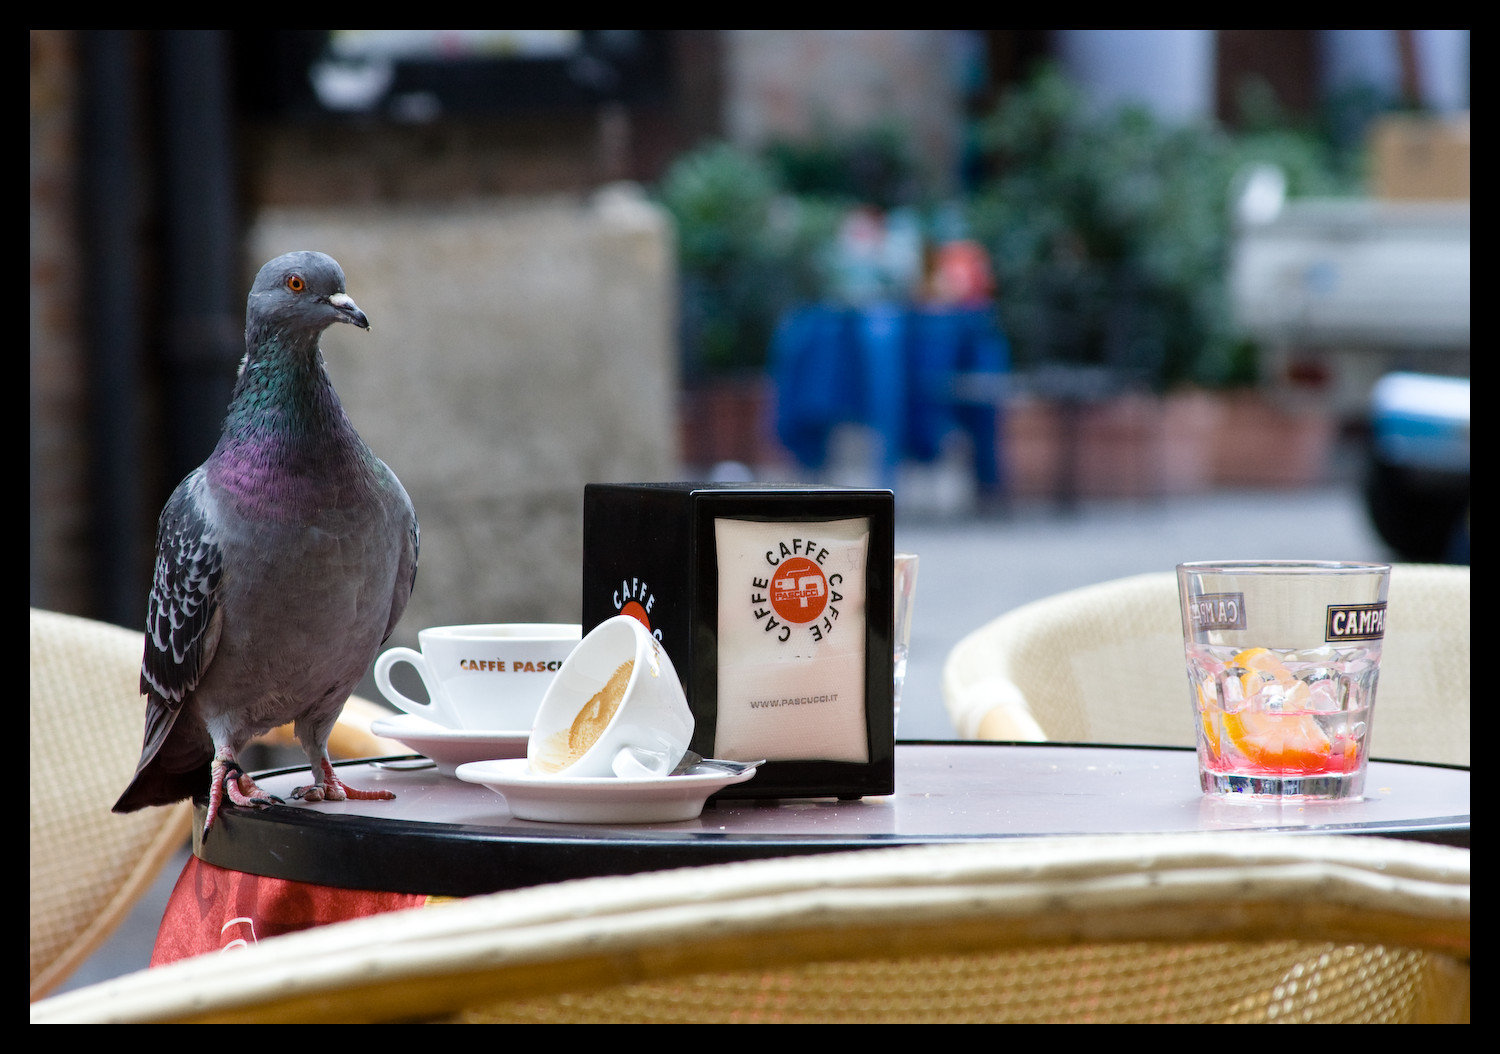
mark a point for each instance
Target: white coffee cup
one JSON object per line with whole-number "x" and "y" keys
{"x": 602, "y": 717}
{"x": 488, "y": 678}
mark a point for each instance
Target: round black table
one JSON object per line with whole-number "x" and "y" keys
{"x": 442, "y": 836}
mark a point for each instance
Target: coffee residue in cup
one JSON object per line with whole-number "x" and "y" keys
{"x": 567, "y": 746}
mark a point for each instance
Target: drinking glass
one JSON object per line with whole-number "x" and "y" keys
{"x": 906, "y": 585}
{"x": 1283, "y": 659}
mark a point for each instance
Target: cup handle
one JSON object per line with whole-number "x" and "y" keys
{"x": 433, "y": 711}
{"x": 643, "y": 763}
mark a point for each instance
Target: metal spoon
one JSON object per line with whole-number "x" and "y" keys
{"x": 692, "y": 760}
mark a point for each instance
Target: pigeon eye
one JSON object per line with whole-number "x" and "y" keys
{"x": 295, "y": 283}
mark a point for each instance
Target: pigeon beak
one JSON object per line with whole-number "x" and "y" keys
{"x": 348, "y": 310}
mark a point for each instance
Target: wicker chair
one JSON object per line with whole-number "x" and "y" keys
{"x": 1221, "y": 926}
{"x": 1103, "y": 664}
{"x": 89, "y": 866}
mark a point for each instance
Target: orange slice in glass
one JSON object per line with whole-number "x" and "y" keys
{"x": 1262, "y": 665}
{"x": 1256, "y": 659}
{"x": 1280, "y": 742}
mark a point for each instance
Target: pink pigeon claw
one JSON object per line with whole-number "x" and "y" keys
{"x": 334, "y": 789}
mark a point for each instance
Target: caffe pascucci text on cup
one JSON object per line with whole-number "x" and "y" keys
{"x": 485, "y": 677}
{"x": 510, "y": 665}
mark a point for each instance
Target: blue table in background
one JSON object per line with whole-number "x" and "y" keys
{"x": 914, "y": 375}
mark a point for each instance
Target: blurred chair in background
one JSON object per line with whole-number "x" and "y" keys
{"x": 1221, "y": 926}
{"x": 88, "y": 866}
{"x": 1104, "y": 664}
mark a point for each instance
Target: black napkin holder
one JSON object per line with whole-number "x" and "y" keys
{"x": 649, "y": 550}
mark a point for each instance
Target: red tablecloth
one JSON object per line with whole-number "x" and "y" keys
{"x": 214, "y": 909}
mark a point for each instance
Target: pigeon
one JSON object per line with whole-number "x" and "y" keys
{"x": 283, "y": 563}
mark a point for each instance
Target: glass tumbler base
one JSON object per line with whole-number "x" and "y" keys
{"x": 1337, "y": 786}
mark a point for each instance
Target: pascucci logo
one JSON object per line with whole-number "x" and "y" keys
{"x": 796, "y": 593}
{"x": 799, "y": 590}
{"x": 634, "y": 597}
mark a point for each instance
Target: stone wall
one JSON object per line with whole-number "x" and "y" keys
{"x": 795, "y": 83}
{"x": 517, "y": 351}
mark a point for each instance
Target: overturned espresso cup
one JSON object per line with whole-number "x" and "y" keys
{"x": 615, "y": 708}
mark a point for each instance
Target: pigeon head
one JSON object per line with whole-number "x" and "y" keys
{"x": 301, "y": 293}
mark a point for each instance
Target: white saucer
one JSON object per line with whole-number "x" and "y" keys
{"x": 450, "y": 747}
{"x": 599, "y": 799}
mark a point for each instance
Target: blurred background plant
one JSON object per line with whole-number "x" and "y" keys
{"x": 722, "y": 199}
{"x": 1110, "y": 230}
{"x": 758, "y": 230}
{"x": 874, "y": 165}
{"x": 746, "y": 250}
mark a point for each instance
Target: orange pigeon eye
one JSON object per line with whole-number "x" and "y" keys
{"x": 295, "y": 283}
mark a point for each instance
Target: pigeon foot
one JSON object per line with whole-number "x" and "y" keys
{"x": 228, "y": 779}
{"x": 331, "y": 788}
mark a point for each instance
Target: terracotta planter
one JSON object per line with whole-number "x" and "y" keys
{"x": 1130, "y": 446}
{"x": 1264, "y": 441}
{"x": 729, "y": 420}
{"x": 1157, "y": 446}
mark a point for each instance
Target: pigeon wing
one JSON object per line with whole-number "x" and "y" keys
{"x": 182, "y": 632}
{"x": 406, "y": 570}
{"x": 182, "y": 615}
